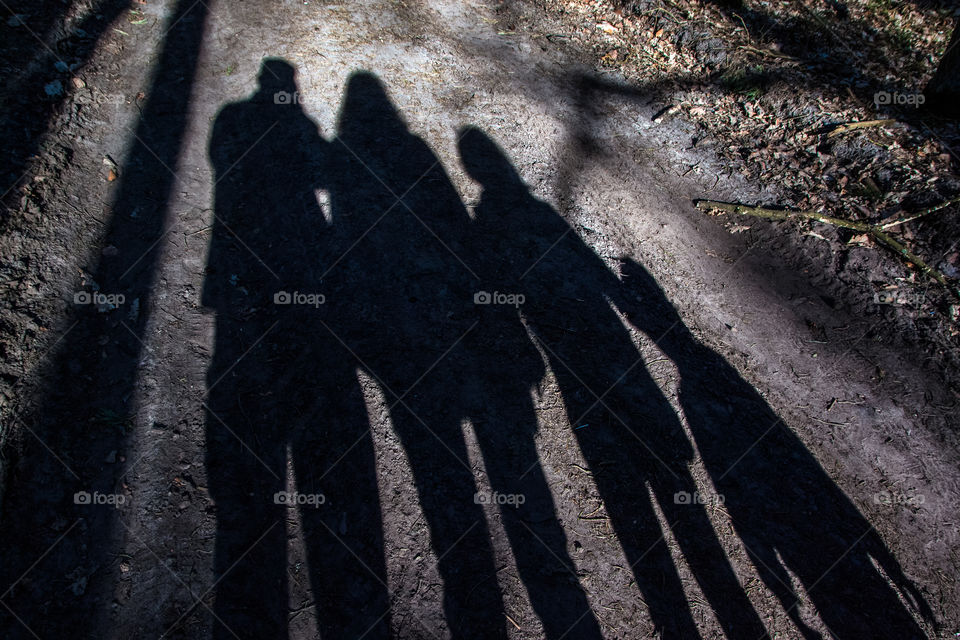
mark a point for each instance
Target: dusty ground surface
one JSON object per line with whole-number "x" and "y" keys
{"x": 655, "y": 355}
{"x": 769, "y": 86}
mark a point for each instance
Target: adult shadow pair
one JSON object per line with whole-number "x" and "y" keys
{"x": 398, "y": 261}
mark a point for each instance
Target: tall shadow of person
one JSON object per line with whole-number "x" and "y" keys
{"x": 792, "y": 518}
{"x": 403, "y": 307}
{"x": 625, "y": 428}
{"x": 280, "y": 391}
{"x": 505, "y": 367}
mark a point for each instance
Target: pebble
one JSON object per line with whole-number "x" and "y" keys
{"x": 54, "y": 88}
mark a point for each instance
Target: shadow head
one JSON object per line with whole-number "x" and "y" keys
{"x": 277, "y": 75}
{"x": 368, "y": 112}
{"x": 486, "y": 162}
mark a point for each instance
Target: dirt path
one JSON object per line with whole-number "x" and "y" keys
{"x": 705, "y": 441}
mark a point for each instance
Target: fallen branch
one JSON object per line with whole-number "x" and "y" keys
{"x": 765, "y": 52}
{"x": 851, "y": 126}
{"x": 874, "y": 231}
{"x": 942, "y": 205}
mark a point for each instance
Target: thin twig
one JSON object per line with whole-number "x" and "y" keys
{"x": 765, "y": 52}
{"x": 873, "y": 230}
{"x": 851, "y": 126}
{"x": 942, "y": 205}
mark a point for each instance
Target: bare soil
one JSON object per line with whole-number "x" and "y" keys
{"x": 655, "y": 428}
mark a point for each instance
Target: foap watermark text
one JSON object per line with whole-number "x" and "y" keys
{"x": 296, "y": 297}
{"x": 96, "y": 498}
{"x": 498, "y": 297}
{"x": 895, "y": 98}
{"x": 286, "y": 97}
{"x": 292, "y": 498}
{"x": 685, "y": 497}
{"x": 512, "y": 499}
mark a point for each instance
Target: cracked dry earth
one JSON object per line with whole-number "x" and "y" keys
{"x": 654, "y": 429}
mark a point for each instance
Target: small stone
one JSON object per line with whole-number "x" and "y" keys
{"x": 79, "y": 586}
{"x": 134, "y": 311}
{"x": 54, "y": 88}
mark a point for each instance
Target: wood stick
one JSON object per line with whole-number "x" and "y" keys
{"x": 851, "y": 126}
{"x": 874, "y": 231}
{"x": 942, "y": 205}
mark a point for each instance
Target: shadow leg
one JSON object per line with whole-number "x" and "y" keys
{"x": 250, "y": 549}
{"x": 446, "y": 487}
{"x": 334, "y": 458}
{"x": 617, "y": 463}
{"x": 708, "y": 561}
{"x": 538, "y": 541}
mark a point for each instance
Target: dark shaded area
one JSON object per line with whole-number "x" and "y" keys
{"x": 399, "y": 304}
{"x": 786, "y": 509}
{"x": 402, "y": 299}
{"x": 852, "y": 60}
{"x": 826, "y": 52}
{"x": 583, "y": 144}
{"x": 457, "y": 318}
{"x": 627, "y": 431}
{"x": 57, "y": 577}
{"x": 943, "y": 90}
{"x": 37, "y": 49}
{"x": 399, "y": 266}
{"x": 417, "y": 273}
{"x": 279, "y": 385}
{"x": 789, "y": 514}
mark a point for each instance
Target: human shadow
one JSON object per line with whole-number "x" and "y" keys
{"x": 456, "y": 319}
{"x": 504, "y": 368}
{"x": 282, "y": 395}
{"x": 792, "y": 518}
{"x": 402, "y": 300}
{"x": 797, "y": 520}
{"x": 392, "y": 265}
{"x": 626, "y": 429}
